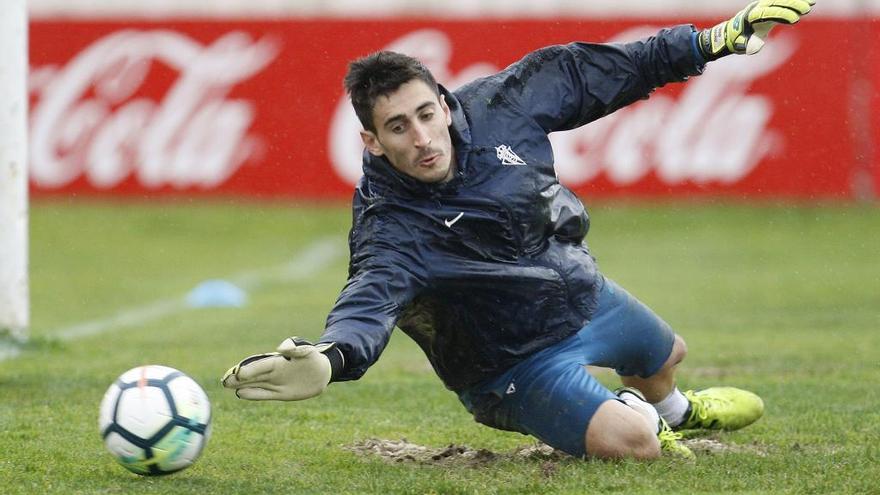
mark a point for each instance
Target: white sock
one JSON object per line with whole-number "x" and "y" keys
{"x": 673, "y": 407}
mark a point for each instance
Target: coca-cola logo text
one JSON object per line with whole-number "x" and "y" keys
{"x": 89, "y": 120}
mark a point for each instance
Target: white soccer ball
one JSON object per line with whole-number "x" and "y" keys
{"x": 155, "y": 420}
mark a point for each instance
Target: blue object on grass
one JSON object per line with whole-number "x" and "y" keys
{"x": 216, "y": 294}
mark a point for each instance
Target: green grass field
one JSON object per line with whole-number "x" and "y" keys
{"x": 782, "y": 300}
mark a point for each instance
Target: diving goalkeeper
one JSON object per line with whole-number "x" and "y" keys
{"x": 463, "y": 238}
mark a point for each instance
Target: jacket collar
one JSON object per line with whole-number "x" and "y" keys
{"x": 378, "y": 170}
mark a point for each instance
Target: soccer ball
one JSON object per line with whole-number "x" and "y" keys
{"x": 155, "y": 420}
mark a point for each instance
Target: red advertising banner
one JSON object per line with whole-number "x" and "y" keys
{"x": 257, "y": 108}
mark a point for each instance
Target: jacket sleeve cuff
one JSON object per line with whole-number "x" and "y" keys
{"x": 699, "y": 56}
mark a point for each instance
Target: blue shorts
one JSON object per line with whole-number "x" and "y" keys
{"x": 551, "y": 395}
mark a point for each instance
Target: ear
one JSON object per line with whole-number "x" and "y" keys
{"x": 371, "y": 142}
{"x": 446, "y": 110}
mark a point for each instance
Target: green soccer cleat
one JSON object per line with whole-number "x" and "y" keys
{"x": 670, "y": 444}
{"x": 721, "y": 408}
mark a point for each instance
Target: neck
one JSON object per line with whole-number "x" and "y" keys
{"x": 453, "y": 168}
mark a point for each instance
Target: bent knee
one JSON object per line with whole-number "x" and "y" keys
{"x": 679, "y": 351}
{"x": 617, "y": 431}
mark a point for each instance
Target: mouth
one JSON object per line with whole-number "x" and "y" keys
{"x": 429, "y": 161}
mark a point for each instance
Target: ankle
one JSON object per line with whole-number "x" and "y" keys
{"x": 674, "y": 408}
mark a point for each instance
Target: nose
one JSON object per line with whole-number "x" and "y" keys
{"x": 421, "y": 138}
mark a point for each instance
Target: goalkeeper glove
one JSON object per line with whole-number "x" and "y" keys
{"x": 746, "y": 31}
{"x": 297, "y": 371}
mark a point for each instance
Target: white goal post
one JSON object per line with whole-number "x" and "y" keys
{"x": 14, "y": 293}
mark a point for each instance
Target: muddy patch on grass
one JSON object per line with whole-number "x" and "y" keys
{"x": 713, "y": 446}
{"x": 405, "y": 451}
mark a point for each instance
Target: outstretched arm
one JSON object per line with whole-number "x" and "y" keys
{"x": 382, "y": 280}
{"x": 566, "y": 86}
{"x": 563, "y": 87}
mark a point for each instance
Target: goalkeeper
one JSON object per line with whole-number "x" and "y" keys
{"x": 464, "y": 239}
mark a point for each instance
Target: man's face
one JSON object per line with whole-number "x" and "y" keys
{"x": 412, "y": 131}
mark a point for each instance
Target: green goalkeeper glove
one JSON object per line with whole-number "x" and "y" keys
{"x": 299, "y": 370}
{"x": 746, "y": 31}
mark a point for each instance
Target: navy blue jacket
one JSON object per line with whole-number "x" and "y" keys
{"x": 511, "y": 275}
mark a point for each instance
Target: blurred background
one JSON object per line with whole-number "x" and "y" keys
{"x": 243, "y": 98}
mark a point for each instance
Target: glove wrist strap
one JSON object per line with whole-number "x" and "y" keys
{"x": 337, "y": 361}
{"x": 329, "y": 349}
{"x": 712, "y": 42}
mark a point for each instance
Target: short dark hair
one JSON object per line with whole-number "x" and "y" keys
{"x": 381, "y": 74}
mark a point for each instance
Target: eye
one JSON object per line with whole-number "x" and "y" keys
{"x": 398, "y": 129}
{"x": 427, "y": 116}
